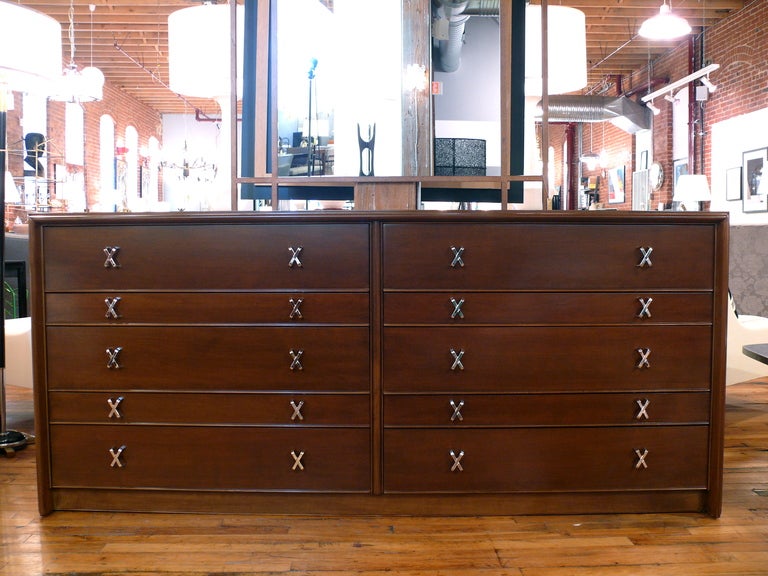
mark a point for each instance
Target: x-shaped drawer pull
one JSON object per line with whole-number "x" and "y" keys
{"x": 114, "y": 407}
{"x": 457, "y": 411}
{"x": 643, "y": 412}
{"x": 645, "y": 311}
{"x": 457, "y": 261}
{"x": 295, "y": 305}
{"x": 297, "y": 410}
{"x": 296, "y": 359}
{"x": 644, "y": 354}
{"x": 112, "y": 307}
{"x": 457, "y": 356}
{"x": 111, "y": 253}
{"x": 113, "y": 357}
{"x": 297, "y": 465}
{"x": 295, "y": 261}
{"x": 456, "y": 467}
{"x": 116, "y": 454}
{"x": 645, "y": 261}
{"x": 457, "y": 308}
{"x": 641, "y": 455}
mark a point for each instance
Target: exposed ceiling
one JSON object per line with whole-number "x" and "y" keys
{"x": 130, "y": 40}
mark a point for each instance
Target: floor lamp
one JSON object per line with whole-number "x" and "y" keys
{"x": 30, "y": 58}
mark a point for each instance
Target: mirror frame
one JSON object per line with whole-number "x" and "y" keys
{"x": 265, "y": 184}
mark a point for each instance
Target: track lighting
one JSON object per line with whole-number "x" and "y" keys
{"x": 653, "y": 108}
{"x": 669, "y": 98}
{"x": 711, "y": 87}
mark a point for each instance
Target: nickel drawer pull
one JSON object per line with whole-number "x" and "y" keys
{"x": 295, "y": 261}
{"x": 457, "y": 411}
{"x": 297, "y": 465}
{"x": 111, "y": 253}
{"x": 643, "y": 412}
{"x": 645, "y": 310}
{"x": 295, "y": 311}
{"x": 641, "y": 456}
{"x": 113, "y": 355}
{"x": 457, "y": 356}
{"x": 114, "y": 407}
{"x": 457, "y": 308}
{"x": 112, "y": 307}
{"x": 644, "y": 354}
{"x": 457, "y": 467}
{"x": 645, "y": 261}
{"x": 296, "y": 359}
{"x": 457, "y": 261}
{"x": 116, "y": 457}
{"x": 297, "y": 410}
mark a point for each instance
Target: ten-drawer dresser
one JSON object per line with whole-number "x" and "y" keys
{"x": 380, "y": 362}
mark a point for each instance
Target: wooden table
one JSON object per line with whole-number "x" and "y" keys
{"x": 757, "y": 352}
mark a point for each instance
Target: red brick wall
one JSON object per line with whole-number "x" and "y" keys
{"x": 122, "y": 108}
{"x": 739, "y": 44}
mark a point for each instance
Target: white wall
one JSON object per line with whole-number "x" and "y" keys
{"x": 730, "y": 139}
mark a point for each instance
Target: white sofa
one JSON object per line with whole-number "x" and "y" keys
{"x": 744, "y": 330}
{"x": 18, "y": 352}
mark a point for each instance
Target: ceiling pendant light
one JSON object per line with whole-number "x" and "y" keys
{"x": 665, "y": 25}
{"x": 75, "y": 85}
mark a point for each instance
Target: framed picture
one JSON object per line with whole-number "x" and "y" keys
{"x": 754, "y": 189}
{"x": 733, "y": 183}
{"x": 616, "y": 185}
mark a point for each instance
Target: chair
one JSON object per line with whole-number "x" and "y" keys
{"x": 743, "y": 329}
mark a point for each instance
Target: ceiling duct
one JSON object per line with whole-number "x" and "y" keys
{"x": 619, "y": 111}
{"x": 448, "y": 20}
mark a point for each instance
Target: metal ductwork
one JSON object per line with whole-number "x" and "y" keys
{"x": 622, "y": 112}
{"x": 449, "y": 19}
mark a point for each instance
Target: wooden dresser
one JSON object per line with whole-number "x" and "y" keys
{"x": 365, "y": 362}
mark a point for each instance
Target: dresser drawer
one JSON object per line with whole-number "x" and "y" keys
{"x": 545, "y": 459}
{"x": 461, "y": 307}
{"x": 208, "y": 358}
{"x": 120, "y": 307}
{"x": 116, "y": 407}
{"x": 547, "y": 359}
{"x": 496, "y": 410}
{"x": 211, "y": 458}
{"x": 211, "y": 256}
{"x": 547, "y": 257}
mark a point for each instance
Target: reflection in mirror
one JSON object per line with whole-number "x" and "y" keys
{"x": 468, "y": 103}
{"x": 339, "y": 72}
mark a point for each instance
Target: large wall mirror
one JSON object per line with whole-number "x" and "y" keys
{"x": 369, "y": 88}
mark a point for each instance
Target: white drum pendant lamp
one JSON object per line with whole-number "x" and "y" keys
{"x": 566, "y": 47}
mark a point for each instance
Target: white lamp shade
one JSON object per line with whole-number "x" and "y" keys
{"x": 566, "y": 47}
{"x": 691, "y": 188}
{"x": 30, "y": 48}
{"x": 664, "y": 26}
{"x": 199, "y": 51}
{"x": 86, "y": 85}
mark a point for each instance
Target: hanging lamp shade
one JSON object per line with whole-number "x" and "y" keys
{"x": 665, "y": 25}
{"x": 199, "y": 49}
{"x": 30, "y": 49}
{"x": 566, "y": 47}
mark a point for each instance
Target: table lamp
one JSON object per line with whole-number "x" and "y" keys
{"x": 691, "y": 190}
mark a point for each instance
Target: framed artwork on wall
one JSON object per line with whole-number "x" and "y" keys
{"x": 754, "y": 185}
{"x": 616, "y": 185}
{"x": 733, "y": 183}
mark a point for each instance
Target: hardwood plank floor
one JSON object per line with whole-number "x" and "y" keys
{"x": 75, "y": 544}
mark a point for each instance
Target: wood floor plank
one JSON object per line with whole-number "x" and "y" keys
{"x": 128, "y": 544}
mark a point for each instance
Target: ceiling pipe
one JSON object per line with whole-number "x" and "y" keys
{"x": 454, "y": 14}
{"x": 622, "y": 112}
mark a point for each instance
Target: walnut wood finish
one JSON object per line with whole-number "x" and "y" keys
{"x": 662, "y": 544}
{"x": 579, "y": 316}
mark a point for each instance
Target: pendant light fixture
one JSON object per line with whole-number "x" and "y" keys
{"x": 86, "y": 85}
{"x": 665, "y": 25}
